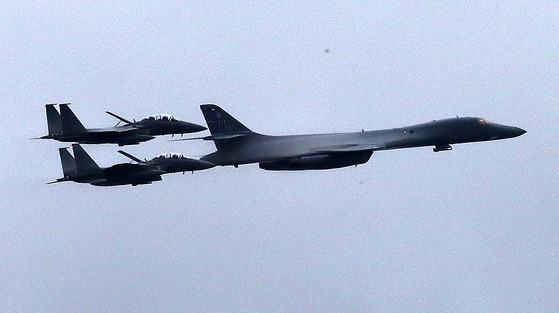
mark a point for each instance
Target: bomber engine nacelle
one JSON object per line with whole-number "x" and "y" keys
{"x": 318, "y": 162}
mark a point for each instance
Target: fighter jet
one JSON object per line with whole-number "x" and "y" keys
{"x": 66, "y": 127}
{"x": 236, "y": 144}
{"x": 172, "y": 163}
{"x": 81, "y": 168}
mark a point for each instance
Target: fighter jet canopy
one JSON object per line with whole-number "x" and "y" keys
{"x": 171, "y": 156}
{"x": 160, "y": 117}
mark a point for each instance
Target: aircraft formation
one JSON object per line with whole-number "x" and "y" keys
{"x": 236, "y": 144}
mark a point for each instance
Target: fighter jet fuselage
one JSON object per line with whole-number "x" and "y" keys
{"x": 66, "y": 127}
{"x": 119, "y": 174}
{"x": 102, "y": 135}
{"x": 81, "y": 168}
{"x": 172, "y": 162}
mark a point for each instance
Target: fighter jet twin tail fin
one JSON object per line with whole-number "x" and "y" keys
{"x": 80, "y": 163}
{"x": 63, "y": 123}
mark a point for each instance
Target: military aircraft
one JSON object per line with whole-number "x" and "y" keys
{"x": 236, "y": 144}
{"x": 82, "y": 169}
{"x": 66, "y": 127}
{"x": 172, "y": 162}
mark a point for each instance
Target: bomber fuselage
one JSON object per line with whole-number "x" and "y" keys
{"x": 254, "y": 148}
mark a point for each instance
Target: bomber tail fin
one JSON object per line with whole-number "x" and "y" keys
{"x": 68, "y": 162}
{"x": 71, "y": 125}
{"x": 220, "y": 122}
{"x": 54, "y": 123}
{"x": 225, "y": 129}
{"x": 84, "y": 163}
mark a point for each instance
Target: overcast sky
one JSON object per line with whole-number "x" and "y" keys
{"x": 471, "y": 230}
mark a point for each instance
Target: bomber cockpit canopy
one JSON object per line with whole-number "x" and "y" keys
{"x": 483, "y": 121}
{"x": 160, "y": 117}
{"x": 171, "y": 156}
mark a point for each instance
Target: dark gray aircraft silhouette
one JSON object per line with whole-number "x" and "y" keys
{"x": 66, "y": 127}
{"x": 236, "y": 144}
{"x": 82, "y": 169}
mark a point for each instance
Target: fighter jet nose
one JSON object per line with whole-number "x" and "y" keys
{"x": 187, "y": 165}
{"x": 200, "y": 128}
{"x": 193, "y": 128}
{"x": 206, "y": 165}
{"x": 518, "y": 131}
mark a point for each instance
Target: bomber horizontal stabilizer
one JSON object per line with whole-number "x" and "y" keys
{"x": 224, "y": 136}
{"x": 58, "y": 180}
{"x": 213, "y": 137}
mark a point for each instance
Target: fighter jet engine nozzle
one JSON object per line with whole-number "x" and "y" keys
{"x": 318, "y": 162}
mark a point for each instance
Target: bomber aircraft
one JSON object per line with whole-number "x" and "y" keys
{"x": 66, "y": 127}
{"x": 236, "y": 144}
{"x": 81, "y": 168}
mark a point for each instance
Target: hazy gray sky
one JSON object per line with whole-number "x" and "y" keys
{"x": 471, "y": 230}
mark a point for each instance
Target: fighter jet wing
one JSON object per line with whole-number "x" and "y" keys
{"x": 123, "y": 168}
{"x": 116, "y": 130}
